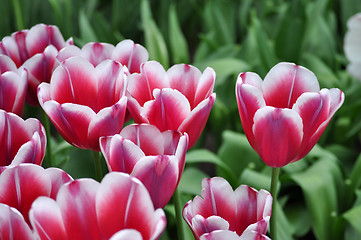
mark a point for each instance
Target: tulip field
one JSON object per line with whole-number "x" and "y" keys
{"x": 180, "y": 120}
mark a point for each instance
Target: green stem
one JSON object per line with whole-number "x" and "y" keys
{"x": 178, "y": 214}
{"x": 97, "y": 166}
{"x": 49, "y": 153}
{"x": 18, "y": 15}
{"x": 274, "y": 183}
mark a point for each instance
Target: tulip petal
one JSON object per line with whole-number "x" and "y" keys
{"x": 184, "y": 78}
{"x": 249, "y": 100}
{"x": 256, "y": 231}
{"x": 96, "y": 52}
{"x": 221, "y": 235}
{"x": 45, "y": 217}
{"x": 30, "y": 152}
{"x": 285, "y": 82}
{"x": 76, "y": 201}
{"x": 127, "y": 234}
{"x": 21, "y": 185}
{"x": 159, "y": 174}
{"x": 278, "y": 134}
{"x": 205, "y": 86}
{"x": 41, "y": 35}
{"x": 111, "y": 83}
{"x": 13, "y": 91}
{"x": 123, "y": 202}
{"x": 200, "y": 225}
{"x": 352, "y": 42}
{"x": 68, "y": 52}
{"x": 168, "y": 110}
{"x": 74, "y": 81}
{"x": 13, "y": 225}
{"x": 147, "y": 137}
{"x": 58, "y": 178}
{"x": 141, "y": 86}
{"x": 195, "y": 122}
{"x": 120, "y": 154}
{"x": 106, "y": 122}
{"x": 130, "y": 54}
{"x": 71, "y": 120}
{"x": 6, "y": 64}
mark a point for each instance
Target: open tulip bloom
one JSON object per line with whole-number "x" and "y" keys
{"x": 86, "y": 102}
{"x": 222, "y": 213}
{"x": 126, "y": 52}
{"x": 156, "y": 158}
{"x": 284, "y": 116}
{"x": 22, "y": 141}
{"x": 35, "y": 49}
{"x": 179, "y": 99}
{"x": 13, "y": 86}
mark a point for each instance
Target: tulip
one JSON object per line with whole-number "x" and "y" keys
{"x": 352, "y": 45}
{"x": 117, "y": 208}
{"x": 222, "y": 213}
{"x": 155, "y": 158}
{"x": 284, "y": 116}
{"x": 13, "y": 85}
{"x": 85, "y": 102}
{"x": 13, "y": 225}
{"x": 21, "y": 141}
{"x": 125, "y": 52}
{"x": 179, "y": 99}
{"x": 24, "y": 183}
{"x": 35, "y": 49}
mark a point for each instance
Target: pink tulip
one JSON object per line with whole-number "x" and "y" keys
{"x": 85, "y": 209}
{"x": 13, "y": 85}
{"x": 126, "y": 52}
{"x": 179, "y": 99}
{"x": 155, "y": 158}
{"x": 222, "y": 213}
{"x": 35, "y": 50}
{"x": 22, "y": 184}
{"x": 284, "y": 116}
{"x": 21, "y": 141}
{"x": 13, "y": 225}
{"x": 85, "y": 102}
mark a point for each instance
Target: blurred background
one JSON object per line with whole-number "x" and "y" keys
{"x": 320, "y": 195}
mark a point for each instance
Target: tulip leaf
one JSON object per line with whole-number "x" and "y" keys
{"x": 154, "y": 41}
{"x": 206, "y": 156}
{"x": 321, "y": 185}
{"x": 87, "y": 33}
{"x": 255, "y": 179}
{"x": 191, "y": 181}
{"x": 177, "y": 40}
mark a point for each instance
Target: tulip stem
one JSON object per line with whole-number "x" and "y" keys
{"x": 48, "y": 137}
{"x": 178, "y": 214}
{"x": 274, "y": 183}
{"x": 97, "y": 166}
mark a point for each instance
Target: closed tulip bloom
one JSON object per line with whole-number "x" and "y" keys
{"x": 352, "y": 45}
{"x": 35, "y": 49}
{"x": 284, "y": 115}
{"x": 22, "y": 141}
{"x": 13, "y": 85}
{"x": 86, "y": 209}
{"x": 24, "y": 183}
{"x": 155, "y": 158}
{"x": 126, "y": 52}
{"x": 85, "y": 102}
{"x": 179, "y": 99}
{"x": 221, "y": 213}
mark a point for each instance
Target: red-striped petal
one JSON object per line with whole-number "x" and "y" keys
{"x": 96, "y": 52}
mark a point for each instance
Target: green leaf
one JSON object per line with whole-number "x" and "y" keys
{"x": 320, "y": 185}
{"x": 255, "y": 179}
{"x": 154, "y": 41}
{"x": 177, "y": 40}
{"x": 191, "y": 181}
{"x": 353, "y": 216}
{"x": 87, "y": 33}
